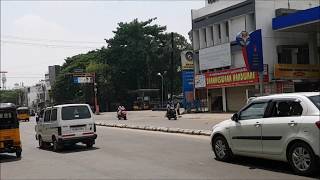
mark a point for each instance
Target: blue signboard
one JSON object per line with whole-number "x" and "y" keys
{"x": 187, "y": 80}
{"x": 254, "y": 51}
{"x": 251, "y": 49}
{"x": 187, "y": 87}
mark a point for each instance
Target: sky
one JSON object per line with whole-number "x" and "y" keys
{"x": 36, "y": 34}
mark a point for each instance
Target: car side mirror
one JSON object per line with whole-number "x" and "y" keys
{"x": 235, "y": 117}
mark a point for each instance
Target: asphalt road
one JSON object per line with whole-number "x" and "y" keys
{"x": 134, "y": 154}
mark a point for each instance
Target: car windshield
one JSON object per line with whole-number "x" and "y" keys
{"x": 23, "y": 111}
{"x": 315, "y": 100}
{"x": 75, "y": 112}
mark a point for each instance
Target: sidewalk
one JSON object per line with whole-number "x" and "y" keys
{"x": 199, "y": 123}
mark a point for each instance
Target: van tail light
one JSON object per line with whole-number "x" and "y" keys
{"x": 318, "y": 124}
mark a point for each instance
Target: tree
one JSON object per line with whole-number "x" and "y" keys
{"x": 132, "y": 59}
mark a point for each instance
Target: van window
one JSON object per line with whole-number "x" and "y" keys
{"x": 75, "y": 112}
{"x": 47, "y": 115}
{"x": 54, "y": 115}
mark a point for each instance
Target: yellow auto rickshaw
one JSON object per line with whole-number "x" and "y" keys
{"x": 23, "y": 114}
{"x": 9, "y": 130}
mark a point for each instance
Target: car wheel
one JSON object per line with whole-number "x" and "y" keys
{"x": 18, "y": 154}
{"x": 221, "y": 149}
{"x": 302, "y": 158}
{"x": 56, "y": 146}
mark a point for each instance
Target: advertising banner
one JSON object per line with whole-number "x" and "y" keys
{"x": 82, "y": 80}
{"x": 251, "y": 49}
{"x": 187, "y": 60}
{"x": 297, "y": 71}
{"x": 215, "y": 57}
{"x": 200, "y": 81}
{"x": 233, "y": 77}
{"x": 187, "y": 81}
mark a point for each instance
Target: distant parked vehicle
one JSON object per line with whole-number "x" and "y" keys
{"x": 23, "y": 114}
{"x": 66, "y": 124}
{"x": 283, "y": 127}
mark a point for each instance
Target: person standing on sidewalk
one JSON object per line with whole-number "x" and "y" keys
{"x": 178, "y": 108}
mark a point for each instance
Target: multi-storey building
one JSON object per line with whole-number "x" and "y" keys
{"x": 290, "y": 42}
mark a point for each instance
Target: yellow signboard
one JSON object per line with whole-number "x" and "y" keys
{"x": 297, "y": 71}
{"x": 186, "y": 60}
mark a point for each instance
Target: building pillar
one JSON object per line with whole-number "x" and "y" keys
{"x": 209, "y": 38}
{"x": 195, "y": 39}
{"x": 224, "y": 100}
{"x": 223, "y": 30}
{"x": 250, "y": 24}
{"x": 313, "y": 52}
{"x": 216, "y": 39}
{"x": 202, "y": 37}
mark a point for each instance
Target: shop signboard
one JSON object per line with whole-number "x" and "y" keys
{"x": 251, "y": 49}
{"x": 187, "y": 81}
{"x": 82, "y": 80}
{"x": 200, "y": 81}
{"x": 186, "y": 60}
{"x": 233, "y": 77}
{"x": 296, "y": 71}
{"x": 215, "y": 57}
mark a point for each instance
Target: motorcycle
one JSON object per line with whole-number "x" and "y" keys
{"x": 122, "y": 114}
{"x": 171, "y": 113}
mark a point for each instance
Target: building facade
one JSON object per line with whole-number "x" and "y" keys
{"x": 290, "y": 51}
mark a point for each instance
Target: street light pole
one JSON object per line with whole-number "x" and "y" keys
{"x": 159, "y": 74}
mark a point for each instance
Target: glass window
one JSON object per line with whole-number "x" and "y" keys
{"x": 47, "y": 115}
{"x": 315, "y": 100}
{"x": 75, "y": 112}
{"x": 254, "y": 111}
{"x": 54, "y": 115}
{"x": 285, "y": 56}
{"x": 286, "y": 108}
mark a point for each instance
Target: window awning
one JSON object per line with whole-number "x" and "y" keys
{"x": 302, "y": 21}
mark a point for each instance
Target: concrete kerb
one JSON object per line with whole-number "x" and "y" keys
{"x": 161, "y": 129}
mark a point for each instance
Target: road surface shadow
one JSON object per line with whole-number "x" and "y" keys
{"x": 71, "y": 149}
{"x": 268, "y": 165}
{"x": 8, "y": 158}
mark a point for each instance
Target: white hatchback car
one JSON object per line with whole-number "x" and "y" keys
{"x": 283, "y": 127}
{"x": 66, "y": 124}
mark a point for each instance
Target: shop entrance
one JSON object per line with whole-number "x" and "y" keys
{"x": 215, "y": 100}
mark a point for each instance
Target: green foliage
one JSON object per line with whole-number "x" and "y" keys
{"x": 132, "y": 59}
{"x": 9, "y": 96}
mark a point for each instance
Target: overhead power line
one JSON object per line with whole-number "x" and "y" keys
{"x": 51, "y": 40}
{"x": 48, "y": 45}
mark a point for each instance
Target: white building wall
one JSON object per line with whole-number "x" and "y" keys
{"x": 32, "y": 96}
{"x": 237, "y": 25}
{"x": 265, "y": 11}
{"x": 209, "y": 8}
{"x": 195, "y": 40}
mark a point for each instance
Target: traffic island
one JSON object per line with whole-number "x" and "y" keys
{"x": 161, "y": 129}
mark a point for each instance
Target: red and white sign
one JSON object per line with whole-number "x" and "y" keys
{"x": 233, "y": 77}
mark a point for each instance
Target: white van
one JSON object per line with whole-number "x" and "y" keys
{"x": 66, "y": 124}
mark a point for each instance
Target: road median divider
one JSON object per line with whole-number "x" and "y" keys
{"x": 161, "y": 129}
